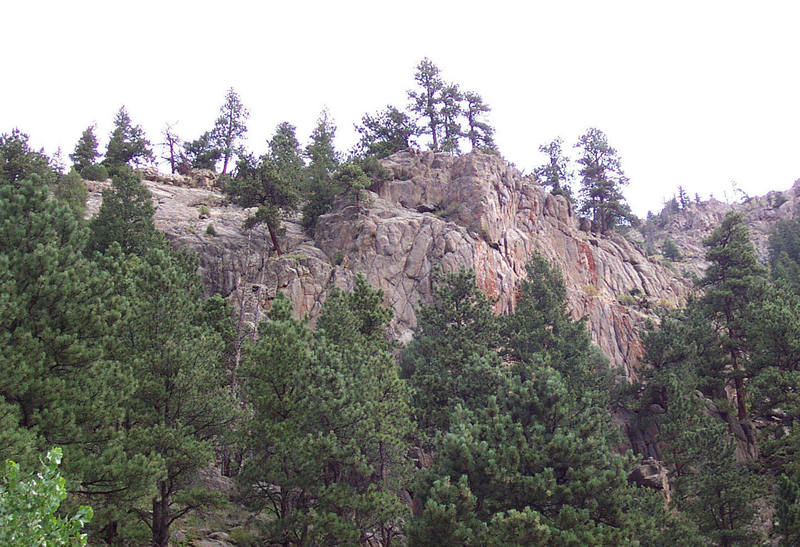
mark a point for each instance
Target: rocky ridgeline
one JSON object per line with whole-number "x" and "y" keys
{"x": 473, "y": 211}
{"x": 690, "y": 226}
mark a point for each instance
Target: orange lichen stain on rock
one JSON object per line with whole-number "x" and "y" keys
{"x": 586, "y": 259}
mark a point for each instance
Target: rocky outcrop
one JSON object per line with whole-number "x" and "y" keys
{"x": 690, "y": 226}
{"x": 474, "y": 211}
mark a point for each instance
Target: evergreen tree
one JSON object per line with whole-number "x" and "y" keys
{"x": 323, "y": 161}
{"x": 73, "y": 191}
{"x": 451, "y": 113}
{"x": 181, "y": 403}
{"x": 18, "y": 161}
{"x": 556, "y": 172}
{"x": 602, "y": 181}
{"x": 127, "y": 143}
{"x": 784, "y": 253}
{"x": 541, "y": 331}
{"x": 230, "y": 127}
{"x": 530, "y": 467}
{"x": 59, "y": 385}
{"x": 683, "y": 198}
{"x": 670, "y": 250}
{"x": 451, "y": 360}
{"x": 385, "y": 133}
{"x": 426, "y": 102}
{"x": 351, "y": 179}
{"x": 85, "y": 154}
{"x": 732, "y": 280}
{"x": 708, "y": 484}
{"x": 330, "y": 416}
{"x": 202, "y": 152}
{"x": 480, "y": 133}
{"x": 286, "y": 155}
{"x": 271, "y": 183}
{"x": 125, "y": 216}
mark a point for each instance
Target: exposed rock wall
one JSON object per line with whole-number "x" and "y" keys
{"x": 690, "y": 226}
{"x": 474, "y": 211}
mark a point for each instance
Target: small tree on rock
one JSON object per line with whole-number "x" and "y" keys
{"x": 385, "y": 133}
{"x": 602, "y": 182}
{"x": 85, "y": 152}
{"x": 202, "y": 152}
{"x": 555, "y": 173}
{"x": 128, "y": 143}
{"x": 425, "y": 102}
{"x": 230, "y": 127}
{"x": 480, "y": 133}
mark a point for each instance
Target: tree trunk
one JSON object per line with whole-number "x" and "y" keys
{"x": 161, "y": 517}
{"x": 225, "y": 162}
{"x": 741, "y": 409}
{"x": 274, "y": 237}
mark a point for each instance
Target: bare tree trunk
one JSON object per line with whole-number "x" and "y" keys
{"x": 274, "y": 237}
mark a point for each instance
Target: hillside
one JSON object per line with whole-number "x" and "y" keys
{"x": 474, "y": 211}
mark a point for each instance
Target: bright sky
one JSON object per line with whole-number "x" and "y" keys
{"x": 697, "y": 93}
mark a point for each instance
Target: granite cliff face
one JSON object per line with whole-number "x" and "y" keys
{"x": 474, "y": 211}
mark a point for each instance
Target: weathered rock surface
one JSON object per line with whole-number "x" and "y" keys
{"x": 688, "y": 227}
{"x": 474, "y": 211}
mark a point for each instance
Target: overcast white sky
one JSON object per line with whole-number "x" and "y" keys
{"x": 694, "y": 93}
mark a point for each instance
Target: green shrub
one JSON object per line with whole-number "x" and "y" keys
{"x": 203, "y": 211}
{"x": 95, "y": 172}
{"x": 670, "y": 250}
{"x": 243, "y": 537}
{"x": 626, "y": 300}
{"x": 210, "y": 230}
{"x": 591, "y": 290}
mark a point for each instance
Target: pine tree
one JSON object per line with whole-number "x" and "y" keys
{"x": 732, "y": 280}
{"x": 707, "y": 482}
{"x": 385, "y": 133}
{"x": 85, "y": 154}
{"x": 529, "y": 467}
{"x": 541, "y": 330}
{"x": 451, "y": 112}
{"x": 323, "y": 161}
{"x": 480, "y": 133}
{"x": 330, "y": 415}
{"x": 271, "y": 183}
{"x": 181, "y": 403}
{"x": 18, "y": 161}
{"x": 59, "y": 384}
{"x": 556, "y": 172}
{"x": 125, "y": 216}
{"x": 426, "y": 102}
{"x": 73, "y": 191}
{"x": 670, "y": 250}
{"x": 784, "y": 253}
{"x": 127, "y": 144}
{"x": 451, "y": 360}
{"x": 286, "y": 155}
{"x": 230, "y": 127}
{"x": 202, "y": 152}
{"x": 602, "y": 181}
